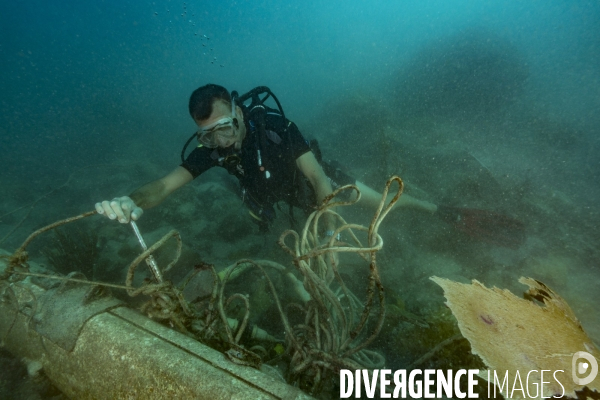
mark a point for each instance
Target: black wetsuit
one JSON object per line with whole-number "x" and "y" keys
{"x": 266, "y": 167}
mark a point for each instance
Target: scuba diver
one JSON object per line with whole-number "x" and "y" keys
{"x": 265, "y": 151}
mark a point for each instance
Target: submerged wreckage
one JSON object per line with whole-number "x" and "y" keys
{"x": 515, "y": 336}
{"x": 92, "y": 345}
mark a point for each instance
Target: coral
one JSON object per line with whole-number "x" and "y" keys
{"x": 513, "y": 334}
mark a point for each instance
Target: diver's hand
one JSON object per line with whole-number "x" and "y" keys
{"x": 121, "y": 208}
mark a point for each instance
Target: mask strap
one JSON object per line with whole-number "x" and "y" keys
{"x": 234, "y": 95}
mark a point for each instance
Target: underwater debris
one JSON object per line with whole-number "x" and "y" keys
{"x": 335, "y": 333}
{"x": 336, "y": 328}
{"x": 513, "y": 334}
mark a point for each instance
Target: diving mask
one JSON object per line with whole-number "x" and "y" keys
{"x": 224, "y": 128}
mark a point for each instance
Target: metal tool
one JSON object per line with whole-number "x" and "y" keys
{"x": 150, "y": 259}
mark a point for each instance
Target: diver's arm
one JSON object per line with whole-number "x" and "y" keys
{"x": 148, "y": 196}
{"x": 154, "y": 193}
{"x": 371, "y": 198}
{"x": 308, "y": 164}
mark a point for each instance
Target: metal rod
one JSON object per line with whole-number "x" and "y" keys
{"x": 150, "y": 259}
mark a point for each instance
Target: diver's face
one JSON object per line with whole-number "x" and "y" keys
{"x": 227, "y": 134}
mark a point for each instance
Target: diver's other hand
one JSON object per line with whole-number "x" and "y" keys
{"x": 122, "y": 209}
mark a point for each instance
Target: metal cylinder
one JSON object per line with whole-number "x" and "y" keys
{"x": 100, "y": 349}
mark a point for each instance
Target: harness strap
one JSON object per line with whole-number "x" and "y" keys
{"x": 261, "y": 126}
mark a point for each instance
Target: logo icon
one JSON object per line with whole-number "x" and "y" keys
{"x": 590, "y": 365}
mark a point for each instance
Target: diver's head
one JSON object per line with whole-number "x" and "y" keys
{"x": 220, "y": 121}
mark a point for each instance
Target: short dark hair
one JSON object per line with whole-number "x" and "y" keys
{"x": 202, "y": 99}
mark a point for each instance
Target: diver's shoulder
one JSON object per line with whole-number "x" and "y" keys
{"x": 277, "y": 122}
